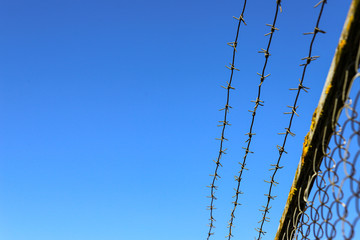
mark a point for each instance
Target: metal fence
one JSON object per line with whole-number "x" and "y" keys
{"x": 333, "y": 206}
{"x": 321, "y": 197}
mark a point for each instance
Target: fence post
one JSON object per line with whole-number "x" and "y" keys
{"x": 335, "y": 92}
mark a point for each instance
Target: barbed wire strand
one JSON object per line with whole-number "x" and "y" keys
{"x": 225, "y": 122}
{"x": 288, "y": 132}
{"x": 257, "y": 102}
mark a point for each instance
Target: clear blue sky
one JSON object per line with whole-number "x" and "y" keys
{"x": 108, "y": 114}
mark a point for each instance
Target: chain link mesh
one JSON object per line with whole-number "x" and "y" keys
{"x": 332, "y": 208}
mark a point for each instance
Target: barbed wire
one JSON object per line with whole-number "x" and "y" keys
{"x": 294, "y": 107}
{"x": 335, "y": 203}
{"x": 258, "y": 103}
{"x": 225, "y": 122}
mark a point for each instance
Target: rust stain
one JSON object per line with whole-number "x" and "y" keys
{"x": 292, "y": 191}
{"x": 306, "y": 146}
{"x": 329, "y": 86}
{"x": 351, "y": 19}
{"x": 306, "y": 143}
{"x": 313, "y": 120}
{"x": 342, "y": 43}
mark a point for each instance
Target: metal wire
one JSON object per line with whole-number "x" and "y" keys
{"x": 258, "y": 103}
{"x": 225, "y": 121}
{"x": 281, "y": 149}
{"x": 333, "y": 210}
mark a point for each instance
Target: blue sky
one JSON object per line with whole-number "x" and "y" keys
{"x": 109, "y": 112}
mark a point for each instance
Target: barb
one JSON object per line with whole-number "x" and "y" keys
{"x": 225, "y": 122}
{"x": 293, "y": 112}
{"x": 258, "y": 103}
